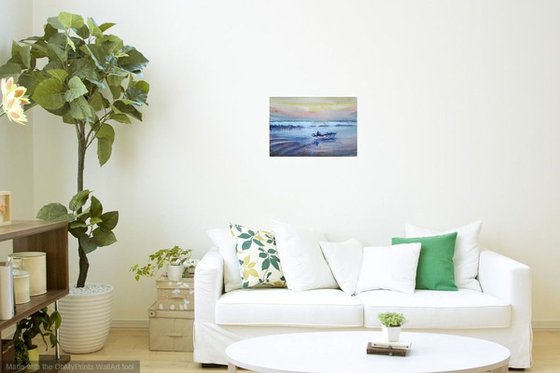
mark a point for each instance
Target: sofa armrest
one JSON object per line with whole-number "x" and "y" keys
{"x": 208, "y": 285}
{"x": 508, "y": 280}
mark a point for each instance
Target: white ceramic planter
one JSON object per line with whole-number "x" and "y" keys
{"x": 86, "y": 318}
{"x": 175, "y": 272}
{"x": 391, "y": 334}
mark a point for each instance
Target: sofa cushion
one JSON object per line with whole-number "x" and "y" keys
{"x": 258, "y": 259}
{"x": 345, "y": 261}
{"x": 429, "y": 309}
{"x": 223, "y": 240}
{"x": 319, "y": 308}
{"x": 389, "y": 268}
{"x": 435, "y": 265}
{"x": 466, "y": 254}
{"x": 303, "y": 263}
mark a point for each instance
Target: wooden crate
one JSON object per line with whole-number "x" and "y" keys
{"x": 170, "y": 330}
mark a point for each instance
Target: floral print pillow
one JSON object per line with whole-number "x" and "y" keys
{"x": 259, "y": 263}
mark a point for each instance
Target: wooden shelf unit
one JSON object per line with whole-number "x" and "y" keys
{"x": 52, "y": 239}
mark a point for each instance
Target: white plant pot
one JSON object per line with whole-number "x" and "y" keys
{"x": 86, "y": 318}
{"x": 391, "y": 334}
{"x": 175, "y": 272}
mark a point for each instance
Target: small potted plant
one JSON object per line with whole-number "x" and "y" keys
{"x": 39, "y": 323}
{"x": 178, "y": 263}
{"x": 391, "y": 323}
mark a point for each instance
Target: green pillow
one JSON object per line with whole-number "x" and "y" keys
{"x": 435, "y": 266}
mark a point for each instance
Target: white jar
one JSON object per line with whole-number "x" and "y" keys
{"x": 35, "y": 263}
{"x": 21, "y": 286}
{"x": 7, "y": 306}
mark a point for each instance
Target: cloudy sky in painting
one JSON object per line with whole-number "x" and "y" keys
{"x": 313, "y": 109}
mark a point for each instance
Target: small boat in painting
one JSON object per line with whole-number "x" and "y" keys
{"x": 326, "y": 135}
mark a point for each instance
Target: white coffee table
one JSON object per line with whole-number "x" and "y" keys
{"x": 346, "y": 352}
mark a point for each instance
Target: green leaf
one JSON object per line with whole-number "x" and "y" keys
{"x": 135, "y": 96}
{"x": 57, "y": 48}
{"x": 25, "y": 54}
{"x": 265, "y": 264}
{"x": 97, "y": 54}
{"x": 54, "y": 212}
{"x": 80, "y": 109}
{"x": 96, "y": 209}
{"x": 105, "y": 137}
{"x": 115, "y": 80}
{"x": 96, "y": 101}
{"x": 93, "y": 28}
{"x": 116, "y": 92}
{"x": 105, "y": 26}
{"x": 134, "y": 62}
{"x": 121, "y": 118}
{"x": 110, "y": 220}
{"x": 85, "y": 69}
{"x": 79, "y": 200}
{"x": 9, "y": 70}
{"x": 104, "y": 238}
{"x": 244, "y": 236}
{"x": 69, "y": 20}
{"x": 88, "y": 244}
{"x": 95, "y": 221}
{"x": 142, "y": 85}
{"x": 275, "y": 262}
{"x": 58, "y": 74}
{"x": 50, "y": 31}
{"x": 83, "y": 32}
{"x": 76, "y": 88}
{"x": 55, "y": 23}
{"x": 246, "y": 245}
{"x": 70, "y": 43}
{"x": 49, "y": 95}
{"x": 77, "y": 225}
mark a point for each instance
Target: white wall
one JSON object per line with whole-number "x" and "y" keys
{"x": 16, "y": 142}
{"x": 458, "y": 120}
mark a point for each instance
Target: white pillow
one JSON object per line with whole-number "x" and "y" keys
{"x": 390, "y": 268}
{"x": 345, "y": 261}
{"x": 223, "y": 239}
{"x": 466, "y": 255}
{"x": 303, "y": 263}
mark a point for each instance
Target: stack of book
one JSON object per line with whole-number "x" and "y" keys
{"x": 388, "y": 348}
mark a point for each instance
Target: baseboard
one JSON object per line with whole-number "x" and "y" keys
{"x": 546, "y": 325}
{"x": 132, "y": 324}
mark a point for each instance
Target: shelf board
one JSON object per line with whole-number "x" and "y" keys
{"x": 37, "y": 302}
{"x": 23, "y": 228}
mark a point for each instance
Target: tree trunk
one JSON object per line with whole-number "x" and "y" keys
{"x": 82, "y": 147}
{"x": 84, "y": 266}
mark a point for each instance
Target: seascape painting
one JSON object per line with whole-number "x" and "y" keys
{"x": 313, "y": 127}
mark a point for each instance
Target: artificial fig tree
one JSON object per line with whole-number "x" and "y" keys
{"x": 90, "y": 79}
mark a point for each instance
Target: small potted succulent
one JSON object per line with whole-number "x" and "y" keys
{"x": 391, "y": 323}
{"x": 39, "y": 323}
{"x": 177, "y": 261}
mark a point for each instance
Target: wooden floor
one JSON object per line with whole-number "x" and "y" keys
{"x": 132, "y": 344}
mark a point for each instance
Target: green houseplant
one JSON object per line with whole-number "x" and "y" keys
{"x": 40, "y": 323}
{"x": 391, "y": 323}
{"x": 176, "y": 260}
{"x": 89, "y": 78}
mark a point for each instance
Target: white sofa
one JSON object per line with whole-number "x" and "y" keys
{"x": 501, "y": 313}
